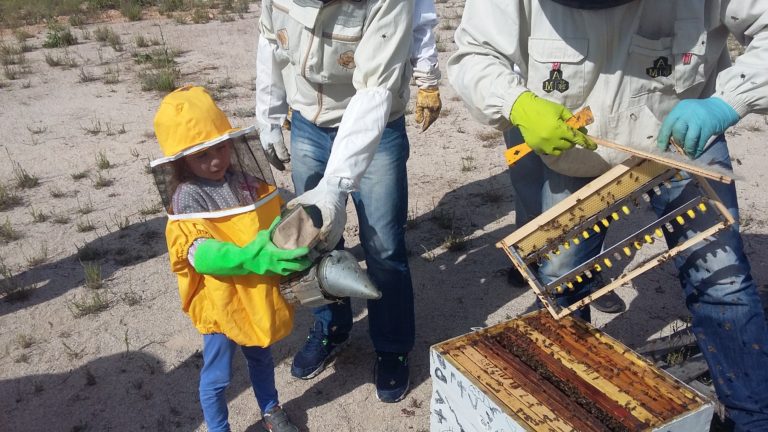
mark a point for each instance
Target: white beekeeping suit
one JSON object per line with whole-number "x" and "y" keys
{"x": 271, "y": 104}
{"x": 631, "y": 66}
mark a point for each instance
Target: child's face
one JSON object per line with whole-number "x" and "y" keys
{"x": 211, "y": 163}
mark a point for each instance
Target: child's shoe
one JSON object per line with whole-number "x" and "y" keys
{"x": 276, "y": 420}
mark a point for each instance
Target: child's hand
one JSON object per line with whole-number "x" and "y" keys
{"x": 260, "y": 256}
{"x": 267, "y": 259}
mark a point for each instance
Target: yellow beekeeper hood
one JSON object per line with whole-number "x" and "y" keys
{"x": 187, "y": 122}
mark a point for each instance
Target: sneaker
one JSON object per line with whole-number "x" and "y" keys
{"x": 391, "y": 376}
{"x": 316, "y": 353}
{"x": 609, "y": 303}
{"x": 276, "y": 420}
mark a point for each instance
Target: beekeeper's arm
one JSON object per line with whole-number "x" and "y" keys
{"x": 740, "y": 89}
{"x": 426, "y": 71}
{"x": 492, "y": 38}
{"x": 271, "y": 103}
{"x": 381, "y": 58}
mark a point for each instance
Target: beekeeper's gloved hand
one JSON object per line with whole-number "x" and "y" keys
{"x": 428, "y": 106}
{"x": 542, "y": 123}
{"x": 271, "y": 138}
{"x": 260, "y": 256}
{"x": 693, "y": 122}
{"x": 330, "y": 196}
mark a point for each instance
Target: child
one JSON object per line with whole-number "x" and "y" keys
{"x": 220, "y": 197}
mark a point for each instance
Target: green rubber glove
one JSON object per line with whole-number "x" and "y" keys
{"x": 542, "y": 124}
{"x": 260, "y": 256}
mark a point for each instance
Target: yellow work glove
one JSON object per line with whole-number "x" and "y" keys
{"x": 542, "y": 124}
{"x": 427, "y": 106}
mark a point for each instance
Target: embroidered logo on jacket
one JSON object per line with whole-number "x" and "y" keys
{"x": 661, "y": 67}
{"x": 347, "y": 60}
{"x": 556, "y": 80}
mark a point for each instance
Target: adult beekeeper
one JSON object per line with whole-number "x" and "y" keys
{"x": 650, "y": 70}
{"x": 345, "y": 69}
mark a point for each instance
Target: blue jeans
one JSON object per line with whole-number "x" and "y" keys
{"x": 728, "y": 317}
{"x": 217, "y": 373}
{"x": 382, "y": 209}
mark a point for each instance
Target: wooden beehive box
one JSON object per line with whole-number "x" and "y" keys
{"x": 535, "y": 373}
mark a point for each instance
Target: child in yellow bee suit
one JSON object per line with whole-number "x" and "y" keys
{"x": 222, "y": 206}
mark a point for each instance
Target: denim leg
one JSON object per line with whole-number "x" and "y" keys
{"x": 310, "y": 149}
{"x": 728, "y": 318}
{"x": 527, "y": 177}
{"x": 261, "y": 369}
{"x": 382, "y": 208}
{"x": 214, "y": 379}
{"x": 556, "y": 188}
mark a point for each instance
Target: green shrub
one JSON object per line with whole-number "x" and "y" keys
{"x": 164, "y": 79}
{"x": 58, "y": 36}
{"x": 131, "y": 9}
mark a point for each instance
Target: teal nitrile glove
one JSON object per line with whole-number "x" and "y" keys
{"x": 260, "y": 256}
{"x": 542, "y": 124}
{"x": 693, "y": 122}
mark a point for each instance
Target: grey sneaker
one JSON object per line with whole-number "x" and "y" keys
{"x": 276, "y": 420}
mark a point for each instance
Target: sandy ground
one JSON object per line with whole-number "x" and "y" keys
{"x": 135, "y": 366}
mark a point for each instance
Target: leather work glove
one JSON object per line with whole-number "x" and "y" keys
{"x": 271, "y": 138}
{"x": 260, "y": 256}
{"x": 693, "y": 122}
{"x": 331, "y": 199}
{"x": 428, "y": 106}
{"x": 542, "y": 124}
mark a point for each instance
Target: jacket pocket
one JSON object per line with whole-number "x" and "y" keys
{"x": 556, "y": 69}
{"x": 688, "y": 48}
{"x": 650, "y": 66}
{"x": 342, "y": 31}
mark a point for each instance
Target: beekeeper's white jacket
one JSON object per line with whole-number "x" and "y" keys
{"x": 271, "y": 106}
{"x": 344, "y": 64}
{"x": 327, "y": 53}
{"x": 631, "y": 64}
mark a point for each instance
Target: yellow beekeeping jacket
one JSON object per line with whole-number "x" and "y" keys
{"x": 247, "y": 309}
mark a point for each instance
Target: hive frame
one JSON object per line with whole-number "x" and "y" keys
{"x": 565, "y": 222}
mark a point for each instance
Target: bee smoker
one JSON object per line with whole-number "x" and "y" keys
{"x": 335, "y": 273}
